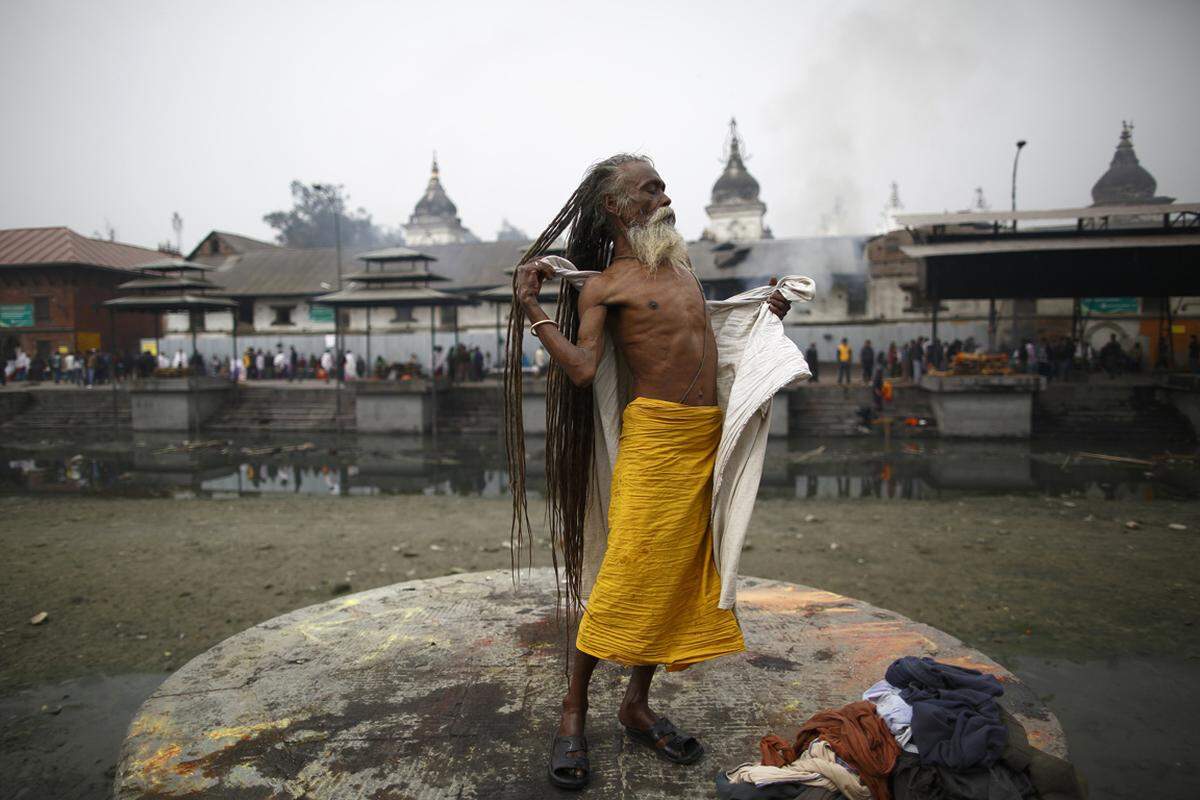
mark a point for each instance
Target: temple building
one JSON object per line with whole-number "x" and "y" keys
{"x": 435, "y": 219}
{"x": 1126, "y": 182}
{"x": 735, "y": 213}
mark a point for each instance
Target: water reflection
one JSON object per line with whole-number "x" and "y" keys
{"x": 468, "y": 466}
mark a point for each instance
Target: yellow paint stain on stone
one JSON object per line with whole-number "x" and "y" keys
{"x": 788, "y": 598}
{"x": 383, "y": 647}
{"x": 245, "y": 731}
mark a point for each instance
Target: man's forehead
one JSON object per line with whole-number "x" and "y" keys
{"x": 639, "y": 172}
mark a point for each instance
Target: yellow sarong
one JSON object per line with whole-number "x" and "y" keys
{"x": 655, "y": 598}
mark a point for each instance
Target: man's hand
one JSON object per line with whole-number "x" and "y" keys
{"x": 779, "y": 304}
{"x": 530, "y": 278}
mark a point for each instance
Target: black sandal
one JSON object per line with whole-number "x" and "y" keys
{"x": 562, "y": 766}
{"x": 677, "y": 749}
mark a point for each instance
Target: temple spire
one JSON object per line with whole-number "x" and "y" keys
{"x": 736, "y": 212}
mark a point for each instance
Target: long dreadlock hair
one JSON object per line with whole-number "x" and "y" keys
{"x": 569, "y": 423}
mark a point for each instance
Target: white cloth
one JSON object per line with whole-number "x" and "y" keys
{"x": 755, "y": 359}
{"x": 817, "y": 766}
{"x": 895, "y": 712}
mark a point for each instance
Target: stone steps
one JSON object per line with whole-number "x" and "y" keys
{"x": 817, "y": 410}
{"x": 1117, "y": 413}
{"x": 255, "y": 408}
{"x": 71, "y": 409}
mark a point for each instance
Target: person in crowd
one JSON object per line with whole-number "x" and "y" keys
{"x": 539, "y": 361}
{"x": 814, "y": 360}
{"x": 327, "y": 365}
{"x": 918, "y": 358}
{"x": 1163, "y": 362}
{"x": 1112, "y": 356}
{"x": 893, "y": 360}
{"x": 866, "y": 357}
{"x": 843, "y": 359}
{"x": 1194, "y": 355}
{"x": 476, "y": 364}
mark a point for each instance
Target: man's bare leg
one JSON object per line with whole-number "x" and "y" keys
{"x": 635, "y": 709}
{"x": 575, "y": 704}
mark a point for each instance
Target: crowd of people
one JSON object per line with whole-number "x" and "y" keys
{"x": 907, "y": 361}
{"x": 86, "y": 368}
{"x": 1053, "y": 357}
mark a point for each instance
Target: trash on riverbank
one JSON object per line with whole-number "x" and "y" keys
{"x": 39, "y": 618}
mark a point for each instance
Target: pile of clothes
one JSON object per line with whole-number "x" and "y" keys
{"x": 927, "y": 731}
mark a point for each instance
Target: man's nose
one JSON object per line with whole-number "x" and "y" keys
{"x": 664, "y": 200}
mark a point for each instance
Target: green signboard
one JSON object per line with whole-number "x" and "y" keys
{"x": 320, "y": 313}
{"x": 16, "y": 316}
{"x": 1110, "y": 305}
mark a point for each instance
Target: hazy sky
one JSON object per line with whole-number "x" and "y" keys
{"x": 127, "y": 111}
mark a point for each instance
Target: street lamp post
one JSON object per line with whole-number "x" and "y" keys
{"x": 992, "y": 321}
{"x": 1020, "y": 146}
{"x": 335, "y": 202}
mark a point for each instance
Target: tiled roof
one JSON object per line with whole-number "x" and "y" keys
{"x": 828, "y": 260}
{"x": 33, "y": 246}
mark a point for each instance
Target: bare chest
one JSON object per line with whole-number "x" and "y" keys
{"x": 663, "y": 303}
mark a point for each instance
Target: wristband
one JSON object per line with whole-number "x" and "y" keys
{"x": 533, "y": 327}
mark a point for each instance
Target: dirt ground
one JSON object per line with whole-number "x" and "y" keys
{"x": 141, "y": 586}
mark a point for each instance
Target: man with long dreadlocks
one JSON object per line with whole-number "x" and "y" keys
{"x": 657, "y": 409}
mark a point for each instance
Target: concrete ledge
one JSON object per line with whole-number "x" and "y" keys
{"x": 176, "y": 404}
{"x": 983, "y": 406}
{"x": 990, "y": 384}
{"x": 393, "y": 406}
{"x": 450, "y": 688}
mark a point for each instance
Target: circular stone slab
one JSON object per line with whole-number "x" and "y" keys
{"x": 451, "y": 688}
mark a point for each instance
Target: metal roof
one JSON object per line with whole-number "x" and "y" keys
{"x": 398, "y": 296}
{"x": 176, "y": 265}
{"x": 1089, "y": 212}
{"x": 167, "y": 283}
{"x": 504, "y": 294}
{"x": 174, "y": 302}
{"x": 980, "y": 246}
{"x": 396, "y": 276}
{"x": 61, "y": 245}
{"x": 396, "y": 254}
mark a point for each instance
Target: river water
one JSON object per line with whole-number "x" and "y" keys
{"x": 926, "y": 469}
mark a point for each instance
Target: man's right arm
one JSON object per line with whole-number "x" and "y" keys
{"x": 579, "y": 360}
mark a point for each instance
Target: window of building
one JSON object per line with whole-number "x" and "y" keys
{"x": 404, "y": 314}
{"x": 41, "y": 310}
{"x": 214, "y": 246}
{"x": 283, "y": 315}
{"x": 245, "y": 311}
{"x": 449, "y": 316}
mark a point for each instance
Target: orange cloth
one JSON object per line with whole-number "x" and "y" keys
{"x": 856, "y": 733}
{"x": 656, "y": 596}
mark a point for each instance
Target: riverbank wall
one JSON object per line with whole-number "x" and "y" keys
{"x": 1122, "y": 409}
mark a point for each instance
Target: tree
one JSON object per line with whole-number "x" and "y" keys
{"x": 309, "y": 223}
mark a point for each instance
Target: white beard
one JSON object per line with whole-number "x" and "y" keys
{"x": 656, "y": 242}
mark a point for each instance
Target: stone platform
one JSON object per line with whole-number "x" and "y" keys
{"x": 450, "y": 688}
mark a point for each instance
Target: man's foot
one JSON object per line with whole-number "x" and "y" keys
{"x": 659, "y": 734}
{"x": 569, "y": 767}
